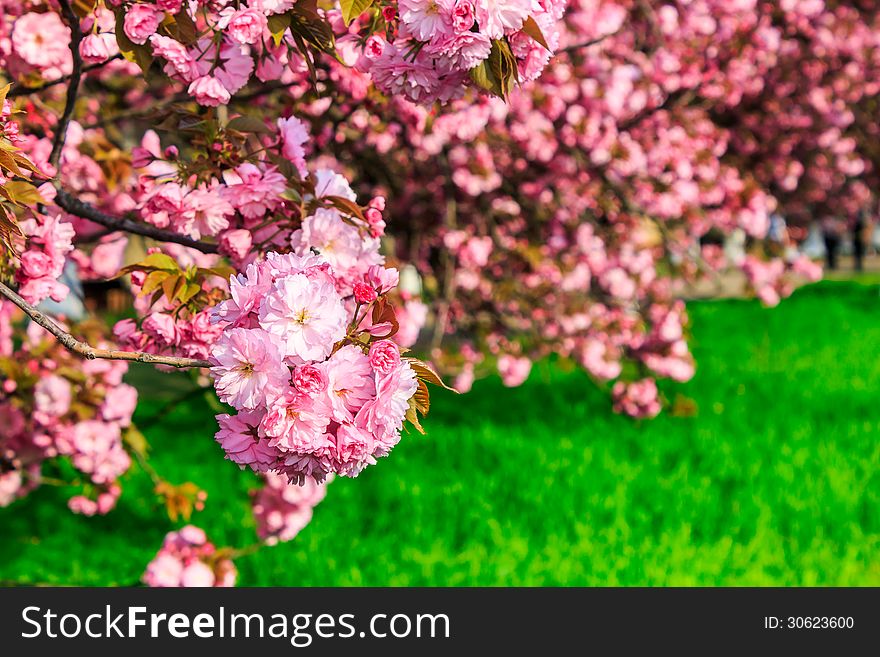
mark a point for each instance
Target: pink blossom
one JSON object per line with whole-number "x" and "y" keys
{"x": 205, "y": 212}
{"x": 42, "y": 41}
{"x": 98, "y": 450}
{"x": 384, "y": 357}
{"x": 239, "y": 437}
{"x": 97, "y": 48}
{"x": 350, "y": 382}
{"x": 162, "y": 327}
{"x": 180, "y": 64}
{"x": 119, "y": 404}
{"x": 244, "y": 26}
{"x": 188, "y": 559}
{"x": 339, "y": 242}
{"x": 295, "y": 422}
{"x": 382, "y": 416}
{"x": 142, "y": 21}
{"x": 307, "y": 316}
{"x": 246, "y": 293}
{"x": 170, "y": 6}
{"x": 309, "y": 379}
{"x": 52, "y": 396}
{"x": 283, "y": 510}
{"x": 293, "y": 136}
{"x": 36, "y": 264}
{"x": 363, "y": 293}
{"x": 425, "y": 18}
{"x": 209, "y": 91}
{"x": 253, "y": 191}
{"x": 248, "y": 371}
{"x": 638, "y": 399}
{"x": 514, "y": 371}
{"x": 236, "y": 243}
{"x": 497, "y": 18}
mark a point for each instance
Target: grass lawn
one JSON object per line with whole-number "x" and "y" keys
{"x": 774, "y": 480}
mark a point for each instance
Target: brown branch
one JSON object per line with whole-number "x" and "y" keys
{"x": 21, "y": 90}
{"x": 67, "y": 201}
{"x": 73, "y": 88}
{"x": 75, "y": 346}
{"x": 586, "y": 44}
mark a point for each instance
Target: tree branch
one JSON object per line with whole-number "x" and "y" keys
{"x": 21, "y": 90}
{"x": 73, "y": 88}
{"x": 586, "y": 44}
{"x": 67, "y": 201}
{"x": 75, "y": 346}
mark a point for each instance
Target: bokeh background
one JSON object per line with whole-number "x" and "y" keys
{"x": 763, "y": 470}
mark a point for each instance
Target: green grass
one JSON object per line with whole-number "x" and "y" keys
{"x": 774, "y": 481}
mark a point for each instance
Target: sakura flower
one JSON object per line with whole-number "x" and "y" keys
{"x": 240, "y": 439}
{"x": 244, "y": 26}
{"x": 306, "y": 315}
{"x": 252, "y": 190}
{"x": 350, "y": 382}
{"x": 142, "y": 21}
{"x": 514, "y": 371}
{"x": 248, "y": 370}
{"x": 209, "y": 91}
{"x": 293, "y": 136}
{"x": 295, "y": 422}
{"x": 206, "y": 213}
{"x": 282, "y": 510}
{"x": 384, "y": 357}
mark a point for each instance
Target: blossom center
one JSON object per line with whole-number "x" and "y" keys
{"x": 302, "y": 316}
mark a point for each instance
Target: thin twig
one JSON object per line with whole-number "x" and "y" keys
{"x": 73, "y": 205}
{"x": 587, "y": 44}
{"x": 21, "y": 90}
{"x": 75, "y": 346}
{"x": 73, "y": 88}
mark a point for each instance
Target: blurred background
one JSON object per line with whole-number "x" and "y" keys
{"x": 763, "y": 470}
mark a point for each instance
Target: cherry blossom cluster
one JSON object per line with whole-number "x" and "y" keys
{"x": 282, "y": 510}
{"x": 648, "y": 157}
{"x": 9, "y": 128}
{"x": 48, "y": 241}
{"x": 248, "y": 209}
{"x": 317, "y": 389}
{"x": 435, "y": 49}
{"x": 54, "y": 406}
{"x": 636, "y": 398}
{"x": 188, "y": 559}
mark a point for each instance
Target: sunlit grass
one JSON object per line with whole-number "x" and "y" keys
{"x": 774, "y": 481}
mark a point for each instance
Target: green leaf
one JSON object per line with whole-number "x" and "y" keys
{"x": 313, "y": 29}
{"x": 426, "y": 373}
{"x": 412, "y": 416}
{"x": 351, "y": 9}
{"x": 187, "y": 32}
{"x": 135, "y": 440}
{"x": 3, "y": 91}
{"x": 346, "y": 206}
{"x": 221, "y": 271}
{"x": 188, "y": 292}
{"x": 171, "y": 286}
{"x": 292, "y": 195}
{"x": 246, "y": 123}
{"x": 23, "y": 192}
{"x": 532, "y": 28}
{"x": 278, "y": 24}
{"x": 159, "y": 261}
{"x": 502, "y": 64}
{"x": 153, "y": 262}
{"x": 154, "y": 281}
